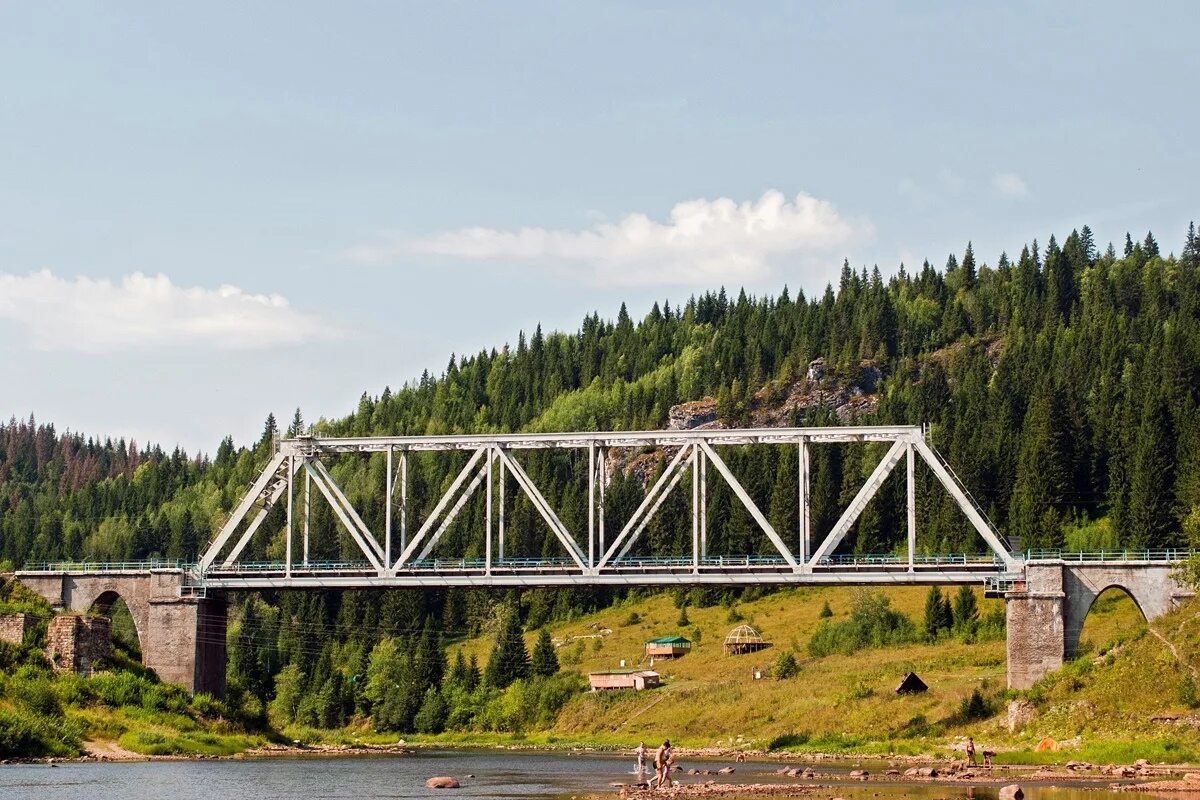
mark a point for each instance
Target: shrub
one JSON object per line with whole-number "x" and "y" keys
{"x": 826, "y": 611}
{"x": 872, "y": 623}
{"x": 788, "y": 740}
{"x": 974, "y": 708}
{"x": 1187, "y": 691}
{"x": 634, "y": 618}
{"x": 683, "y": 620}
{"x": 786, "y": 666}
{"x": 25, "y": 733}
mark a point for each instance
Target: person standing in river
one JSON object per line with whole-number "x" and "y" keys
{"x": 662, "y": 765}
{"x": 641, "y": 759}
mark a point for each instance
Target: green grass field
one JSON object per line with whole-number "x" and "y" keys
{"x": 1101, "y": 706}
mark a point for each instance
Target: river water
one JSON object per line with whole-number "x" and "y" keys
{"x": 497, "y": 774}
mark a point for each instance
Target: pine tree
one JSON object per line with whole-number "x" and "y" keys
{"x": 786, "y": 666}
{"x": 937, "y": 613}
{"x": 509, "y": 660}
{"x": 966, "y": 611}
{"x": 431, "y": 717}
{"x": 297, "y": 426}
{"x": 545, "y": 661}
{"x": 270, "y": 431}
{"x": 1151, "y": 515}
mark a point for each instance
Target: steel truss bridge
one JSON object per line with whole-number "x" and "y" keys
{"x": 600, "y": 554}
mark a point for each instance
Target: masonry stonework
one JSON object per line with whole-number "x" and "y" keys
{"x": 182, "y": 638}
{"x": 13, "y": 627}
{"x": 77, "y": 643}
{"x": 1046, "y": 614}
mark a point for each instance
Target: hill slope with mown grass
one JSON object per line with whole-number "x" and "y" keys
{"x": 1127, "y": 696}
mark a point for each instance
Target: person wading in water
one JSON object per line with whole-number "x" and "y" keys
{"x": 662, "y": 765}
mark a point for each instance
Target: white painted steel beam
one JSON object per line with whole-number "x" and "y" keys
{"x": 307, "y": 446}
{"x": 966, "y": 505}
{"x": 855, "y": 509}
{"x": 239, "y": 514}
{"x": 748, "y": 502}
{"x": 543, "y": 507}
{"x": 368, "y": 550}
{"x": 444, "y": 501}
{"x": 647, "y": 501}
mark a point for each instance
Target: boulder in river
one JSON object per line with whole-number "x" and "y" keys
{"x": 1011, "y": 792}
{"x": 442, "y": 782}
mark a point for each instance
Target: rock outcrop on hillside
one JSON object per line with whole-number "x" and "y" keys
{"x": 769, "y": 407}
{"x": 820, "y": 388}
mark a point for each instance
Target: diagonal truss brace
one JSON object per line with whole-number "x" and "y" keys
{"x": 276, "y": 491}
{"x": 419, "y": 536}
{"x": 619, "y": 543}
{"x": 750, "y": 505}
{"x": 365, "y": 542}
{"x": 336, "y": 490}
{"x": 453, "y": 513}
{"x": 255, "y": 494}
{"x": 543, "y": 507}
{"x": 680, "y": 469}
{"x": 855, "y": 509}
{"x": 965, "y": 503}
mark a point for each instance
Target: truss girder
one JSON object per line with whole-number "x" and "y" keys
{"x": 864, "y": 495}
{"x": 590, "y": 559}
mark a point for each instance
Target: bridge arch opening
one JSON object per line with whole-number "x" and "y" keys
{"x": 1114, "y": 617}
{"x": 125, "y": 635}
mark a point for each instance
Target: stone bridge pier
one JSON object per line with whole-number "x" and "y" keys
{"x": 182, "y": 638}
{"x": 1046, "y": 614}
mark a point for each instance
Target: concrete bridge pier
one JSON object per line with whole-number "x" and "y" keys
{"x": 1045, "y": 616}
{"x": 182, "y": 638}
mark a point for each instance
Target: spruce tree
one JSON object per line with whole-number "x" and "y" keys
{"x": 937, "y": 613}
{"x": 545, "y": 661}
{"x": 966, "y": 610}
{"x": 509, "y": 660}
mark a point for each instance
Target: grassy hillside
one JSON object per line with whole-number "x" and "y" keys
{"x": 838, "y": 702}
{"x": 1102, "y": 706}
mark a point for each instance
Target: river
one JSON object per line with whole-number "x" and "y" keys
{"x": 522, "y": 775}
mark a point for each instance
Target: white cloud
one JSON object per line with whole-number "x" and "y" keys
{"x": 145, "y": 312}
{"x": 704, "y": 242}
{"x": 1010, "y": 184}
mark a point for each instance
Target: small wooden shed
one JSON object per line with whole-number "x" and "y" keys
{"x": 744, "y": 639}
{"x": 668, "y": 647}
{"x": 911, "y": 685}
{"x": 636, "y": 679}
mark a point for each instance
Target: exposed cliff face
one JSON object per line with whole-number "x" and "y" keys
{"x": 820, "y": 388}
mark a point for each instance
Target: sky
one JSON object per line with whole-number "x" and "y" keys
{"x": 212, "y": 211}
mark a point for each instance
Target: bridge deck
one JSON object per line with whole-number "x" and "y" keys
{"x": 879, "y": 569}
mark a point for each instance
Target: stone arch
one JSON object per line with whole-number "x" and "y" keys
{"x": 104, "y": 603}
{"x": 1075, "y": 628}
{"x": 85, "y": 595}
{"x": 1153, "y": 590}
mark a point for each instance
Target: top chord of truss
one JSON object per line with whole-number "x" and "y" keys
{"x": 309, "y": 445}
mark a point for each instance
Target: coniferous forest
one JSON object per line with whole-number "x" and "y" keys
{"x": 1062, "y": 384}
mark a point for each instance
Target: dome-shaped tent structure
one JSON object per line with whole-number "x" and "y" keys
{"x": 744, "y": 639}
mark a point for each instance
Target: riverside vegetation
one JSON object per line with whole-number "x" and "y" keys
{"x": 1062, "y": 385}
